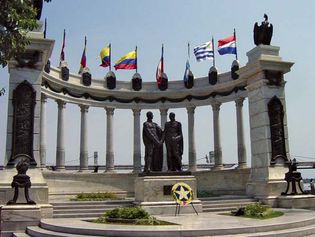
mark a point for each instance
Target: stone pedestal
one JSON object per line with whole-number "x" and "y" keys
{"x": 296, "y": 201}
{"x": 16, "y": 218}
{"x": 153, "y": 193}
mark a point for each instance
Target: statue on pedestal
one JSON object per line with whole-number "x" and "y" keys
{"x": 174, "y": 143}
{"x": 152, "y": 139}
{"x": 263, "y": 33}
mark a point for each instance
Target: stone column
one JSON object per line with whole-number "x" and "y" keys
{"x": 241, "y": 150}
{"x": 84, "y": 155}
{"x": 43, "y": 131}
{"x": 191, "y": 139}
{"x": 136, "y": 141}
{"x": 60, "y": 153}
{"x": 163, "y": 113}
{"x": 216, "y": 136}
{"x": 109, "y": 140}
{"x": 264, "y": 73}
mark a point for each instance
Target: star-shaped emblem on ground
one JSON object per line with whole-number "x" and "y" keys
{"x": 182, "y": 194}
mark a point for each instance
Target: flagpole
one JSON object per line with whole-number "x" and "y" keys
{"x": 110, "y": 57}
{"x": 235, "y": 44}
{"x": 188, "y": 48}
{"x": 45, "y": 28}
{"x": 136, "y": 59}
{"x": 213, "y": 62}
{"x": 162, "y": 56}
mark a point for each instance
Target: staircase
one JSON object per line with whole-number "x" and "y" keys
{"x": 86, "y": 209}
{"x": 225, "y": 203}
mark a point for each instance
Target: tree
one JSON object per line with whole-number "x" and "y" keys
{"x": 17, "y": 17}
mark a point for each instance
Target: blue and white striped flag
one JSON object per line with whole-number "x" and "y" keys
{"x": 204, "y": 51}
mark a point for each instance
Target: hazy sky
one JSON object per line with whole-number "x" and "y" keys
{"x": 148, "y": 24}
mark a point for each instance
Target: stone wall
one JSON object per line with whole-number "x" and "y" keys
{"x": 214, "y": 182}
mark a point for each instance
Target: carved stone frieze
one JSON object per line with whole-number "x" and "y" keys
{"x": 276, "y": 115}
{"x": 23, "y": 122}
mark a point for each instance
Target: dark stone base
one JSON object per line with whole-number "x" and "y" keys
{"x": 166, "y": 173}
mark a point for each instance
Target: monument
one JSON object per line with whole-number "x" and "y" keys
{"x": 153, "y": 188}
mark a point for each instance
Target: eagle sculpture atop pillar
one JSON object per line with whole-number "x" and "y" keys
{"x": 263, "y": 33}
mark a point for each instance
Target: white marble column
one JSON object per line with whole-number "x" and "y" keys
{"x": 163, "y": 113}
{"x": 109, "y": 140}
{"x": 60, "y": 153}
{"x": 216, "y": 133}
{"x": 84, "y": 154}
{"x": 241, "y": 150}
{"x": 43, "y": 131}
{"x": 136, "y": 141}
{"x": 191, "y": 139}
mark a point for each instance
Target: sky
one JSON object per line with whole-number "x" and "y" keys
{"x": 149, "y": 24}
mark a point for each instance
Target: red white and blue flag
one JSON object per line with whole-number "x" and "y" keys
{"x": 227, "y": 45}
{"x": 83, "y": 58}
{"x": 160, "y": 69}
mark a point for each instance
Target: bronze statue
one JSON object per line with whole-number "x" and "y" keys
{"x": 174, "y": 143}
{"x": 21, "y": 180}
{"x": 263, "y": 33}
{"x": 152, "y": 136}
{"x": 294, "y": 178}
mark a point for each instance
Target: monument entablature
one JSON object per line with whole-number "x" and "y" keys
{"x": 149, "y": 97}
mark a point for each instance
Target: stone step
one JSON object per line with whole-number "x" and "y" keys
{"x": 78, "y": 215}
{"x": 77, "y": 203}
{"x": 82, "y": 210}
{"x": 88, "y": 206}
{"x": 303, "y": 227}
{"x": 219, "y": 201}
{"x": 20, "y": 235}
{"x": 218, "y": 209}
{"x": 288, "y": 232}
{"x": 232, "y": 204}
{"x": 36, "y": 231}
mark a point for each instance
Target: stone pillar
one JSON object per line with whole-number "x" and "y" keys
{"x": 109, "y": 140}
{"x": 241, "y": 150}
{"x": 136, "y": 141}
{"x": 191, "y": 139}
{"x": 163, "y": 113}
{"x": 216, "y": 136}
{"x": 84, "y": 154}
{"x": 60, "y": 152}
{"x": 264, "y": 73}
{"x": 43, "y": 131}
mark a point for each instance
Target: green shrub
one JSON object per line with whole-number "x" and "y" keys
{"x": 255, "y": 210}
{"x": 95, "y": 196}
{"x": 127, "y": 213}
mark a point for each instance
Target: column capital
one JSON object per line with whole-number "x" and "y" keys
{"x": 163, "y": 111}
{"x": 109, "y": 110}
{"x": 136, "y": 112}
{"x": 239, "y": 101}
{"x": 216, "y": 106}
{"x": 191, "y": 109}
{"x": 61, "y": 104}
{"x": 84, "y": 108}
{"x": 43, "y": 98}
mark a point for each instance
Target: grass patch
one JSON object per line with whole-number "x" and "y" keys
{"x": 131, "y": 216}
{"x": 257, "y": 211}
{"x": 96, "y": 197}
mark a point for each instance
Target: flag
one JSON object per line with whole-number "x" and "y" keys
{"x": 204, "y": 51}
{"x": 105, "y": 56}
{"x": 160, "y": 69}
{"x": 83, "y": 58}
{"x": 227, "y": 45}
{"x": 128, "y": 61}
{"x": 62, "y": 54}
{"x": 187, "y": 70}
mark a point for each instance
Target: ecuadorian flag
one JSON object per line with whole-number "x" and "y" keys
{"x": 128, "y": 61}
{"x": 105, "y": 56}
